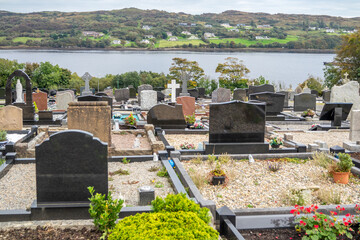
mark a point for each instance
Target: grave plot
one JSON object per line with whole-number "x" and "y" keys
{"x": 130, "y": 142}
{"x": 177, "y": 140}
{"x": 126, "y": 179}
{"x": 271, "y": 183}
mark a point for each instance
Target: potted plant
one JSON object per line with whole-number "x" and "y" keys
{"x": 3, "y": 139}
{"x": 186, "y": 146}
{"x": 218, "y": 175}
{"x": 130, "y": 121}
{"x": 308, "y": 113}
{"x": 275, "y": 142}
{"x": 190, "y": 120}
{"x": 198, "y": 125}
{"x": 341, "y": 169}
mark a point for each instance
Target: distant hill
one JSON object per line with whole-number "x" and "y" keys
{"x": 135, "y": 28}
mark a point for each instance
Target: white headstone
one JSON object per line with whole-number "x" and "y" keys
{"x": 62, "y": 100}
{"x": 347, "y": 93}
{"x": 148, "y": 99}
{"x": 173, "y": 87}
{"x": 19, "y": 89}
{"x": 86, "y": 77}
{"x": 355, "y": 126}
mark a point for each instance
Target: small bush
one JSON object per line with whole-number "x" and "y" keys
{"x": 211, "y": 159}
{"x": 2, "y": 161}
{"x": 224, "y": 158}
{"x": 3, "y": 134}
{"x": 329, "y": 196}
{"x": 159, "y": 185}
{"x": 125, "y": 160}
{"x": 164, "y": 226}
{"x": 120, "y": 172}
{"x": 345, "y": 163}
{"x": 162, "y": 173}
{"x": 179, "y": 202}
{"x": 274, "y": 166}
{"x": 322, "y": 160}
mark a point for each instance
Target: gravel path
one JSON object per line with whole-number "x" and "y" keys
{"x": 18, "y": 186}
{"x": 177, "y": 139}
{"x": 253, "y": 185}
{"x": 331, "y": 138}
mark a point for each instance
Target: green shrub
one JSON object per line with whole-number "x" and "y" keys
{"x": 162, "y": 173}
{"x": 3, "y": 135}
{"x": 2, "y": 161}
{"x": 179, "y": 202}
{"x": 104, "y": 211}
{"x": 345, "y": 163}
{"x": 163, "y": 226}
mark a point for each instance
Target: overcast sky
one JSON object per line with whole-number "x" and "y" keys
{"x": 344, "y": 8}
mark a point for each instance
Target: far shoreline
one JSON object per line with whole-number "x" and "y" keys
{"x": 215, "y": 50}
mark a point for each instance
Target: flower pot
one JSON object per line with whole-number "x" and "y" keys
{"x": 275, "y": 145}
{"x": 341, "y": 177}
{"x": 218, "y": 180}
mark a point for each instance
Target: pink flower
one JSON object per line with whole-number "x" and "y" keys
{"x": 316, "y": 226}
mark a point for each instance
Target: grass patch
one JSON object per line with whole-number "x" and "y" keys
{"x": 153, "y": 169}
{"x": 159, "y": 185}
{"x": 199, "y": 180}
{"x": 2, "y": 161}
{"x": 25, "y": 39}
{"x": 322, "y": 160}
{"x": 251, "y": 42}
{"x": 119, "y": 172}
{"x": 162, "y": 173}
{"x": 180, "y": 42}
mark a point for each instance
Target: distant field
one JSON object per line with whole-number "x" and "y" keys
{"x": 24, "y": 39}
{"x": 2, "y": 38}
{"x": 251, "y": 42}
{"x": 169, "y": 44}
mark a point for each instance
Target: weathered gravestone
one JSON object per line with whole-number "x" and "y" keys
{"x": 304, "y": 101}
{"x": 188, "y": 104}
{"x": 347, "y": 93}
{"x": 122, "y": 94}
{"x": 221, "y": 95}
{"x": 166, "y": 117}
{"x": 274, "y": 101}
{"x": 91, "y": 98}
{"x": 40, "y": 99}
{"x": 2, "y": 93}
{"x": 315, "y": 92}
{"x": 142, "y": 88}
{"x": 109, "y": 92}
{"x": 148, "y": 99}
{"x": 86, "y": 77}
{"x": 185, "y": 77}
{"x": 63, "y": 99}
{"x": 66, "y": 164}
{"x": 27, "y": 107}
{"x": 286, "y": 99}
{"x": 132, "y": 91}
{"x": 93, "y": 117}
{"x": 160, "y": 96}
{"x": 11, "y": 118}
{"x": 355, "y": 126}
{"x": 261, "y": 88}
{"x": 326, "y": 95}
{"x": 194, "y": 93}
{"x": 236, "y": 127}
{"x": 201, "y": 92}
{"x": 239, "y": 94}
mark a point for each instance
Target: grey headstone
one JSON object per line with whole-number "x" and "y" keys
{"x": 69, "y": 162}
{"x": 201, "y": 92}
{"x": 261, "y": 88}
{"x": 304, "y": 101}
{"x": 142, "y": 88}
{"x": 148, "y": 99}
{"x": 286, "y": 99}
{"x": 132, "y": 92}
{"x": 326, "y": 95}
{"x": 274, "y": 101}
{"x": 221, "y": 95}
{"x": 239, "y": 94}
{"x": 122, "y": 94}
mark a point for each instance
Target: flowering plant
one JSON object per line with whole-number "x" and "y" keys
{"x": 187, "y": 146}
{"x": 131, "y": 120}
{"x": 190, "y": 119}
{"x": 276, "y": 141}
{"x": 198, "y": 125}
{"x": 308, "y": 113}
{"x": 320, "y": 225}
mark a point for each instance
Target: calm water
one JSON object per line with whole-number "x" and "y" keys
{"x": 288, "y": 68}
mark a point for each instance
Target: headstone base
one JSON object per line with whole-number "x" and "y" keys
{"x": 351, "y": 146}
{"x": 184, "y": 94}
{"x": 28, "y": 111}
{"x": 275, "y": 118}
{"x": 328, "y": 127}
{"x": 86, "y": 93}
{"x": 236, "y": 148}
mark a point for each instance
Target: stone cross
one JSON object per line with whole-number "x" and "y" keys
{"x": 184, "y": 80}
{"x": 86, "y": 77}
{"x": 346, "y": 80}
{"x": 19, "y": 93}
{"x": 173, "y": 87}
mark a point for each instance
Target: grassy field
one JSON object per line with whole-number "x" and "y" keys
{"x": 2, "y": 38}
{"x": 180, "y": 42}
{"x": 251, "y": 42}
{"x": 24, "y": 39}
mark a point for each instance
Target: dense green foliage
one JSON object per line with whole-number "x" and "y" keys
{"x": 179, "y": 202}
{"x": 345, "y": 163}
{"x": 64, "y": 29}
{"x": 233, "y": 73}
{"x": 104, "y": 210}
{"x": 163, "y": 226}
{"x": 3, "y": 134}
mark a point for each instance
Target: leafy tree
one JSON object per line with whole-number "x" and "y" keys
{"x": 314, "y": 83}
{"x": 7, "y": 67}
{"x": 48, "y": 75}
{"x": 183, "y": 66}
{"x": 260, "y": 81}
{"x": 209, "y": 84}
{"x": 332, "y": 75}
{"x": 126, "y": 79}
{"x": 233, "y": 73}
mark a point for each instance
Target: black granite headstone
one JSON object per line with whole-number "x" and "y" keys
{"x": 194, "y": 93}
{"x": 69, "y": 162}
{"x": 132, "y": 92}
{"x": 304, "y": 101}
{"x": 286, "y": 99}
{"x": 201, "y": 92}
{"x": 326, "y": 95}
{"x": 178, "y": 91}
{"x": 166, "y": 117}
{"x": 158, "y": 89}
{"x": 101, "y": 94}
{"x": 237, "y": 122}
{"x": 274, "y": 101}
{"x": 94, "y": 98}
{"x": 160, "y": 96}
{"x": 261, "y": 88}
{"x": 315, "y": 92}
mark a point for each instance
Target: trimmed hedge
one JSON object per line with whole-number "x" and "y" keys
{"x": 163, "y": 225}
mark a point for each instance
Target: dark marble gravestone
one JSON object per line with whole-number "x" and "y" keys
{"x": 274, "y": 101}
{"x": 67, "y": 163}
{"x": 201, "y": 92}
{"x": 160, "y": 96}
{"x": 194, "y": 93}
{"x": 122, "y": 94}
{"x": 178, "y": 91}
{"x": 237, "y": 128}
{"x": 166, "y": 117}
{"x": 304, "y": 101}
{"x": 326, "y": 95}
{"x": 286, "y": 99}
{"x": 261, "y": 88}
{"x": 239, "y": 94}
{"x": 91, "y": 98}
{"x": 315, "y": 92}
{"x": 132, "y": 92}
{"x": 27, "y": 107}
{"x": 101, "y": 94}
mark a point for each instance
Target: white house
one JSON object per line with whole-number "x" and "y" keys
{"x": 183, "y": 24}
{"x": 262, "y": 38}
{"x": 193, "y": 37}
{"x": 263, "y": 26}
{"x": 173, "y": 39}
{"x": 149, "y": 36}
{"x": 145, "y": 41}
{"x": 186, "y": 32}
{"x": 209, "y": 35}
{"x": 92, "y": 34}
{"x": 146, "y": 27}
{"x": 233, "y": 30}
{"x": 193, "y": 24}
{"x": 330, "y": 30}
{"x": 169, "y": 34}
{"x": 208, "y": 25}
{"x": 116, "y": 42}
{"x": 225, "y": 25}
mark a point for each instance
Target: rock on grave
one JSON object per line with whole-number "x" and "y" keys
{"x": 261, "y": 88}
{"x": 122, "y": 94}
{"x": 67, "y": 163}
{"x": 166, "y": 117}
{"x": 221, "y": 95}
{"x": 142, "y": 88}
{"x": 11, "y": 118}
{"x": 304, "y": 101}
{"x": 347, "y": 93}
{"x": 188, "y": 104}
{"x": 63, "y": 99}
{"x": 239, "y": 94}
{"x": 355, "y": 126}
{"x": 148, "y": 99}
{"x": 93, "y": 117}
{"x": 274, "y": 101}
